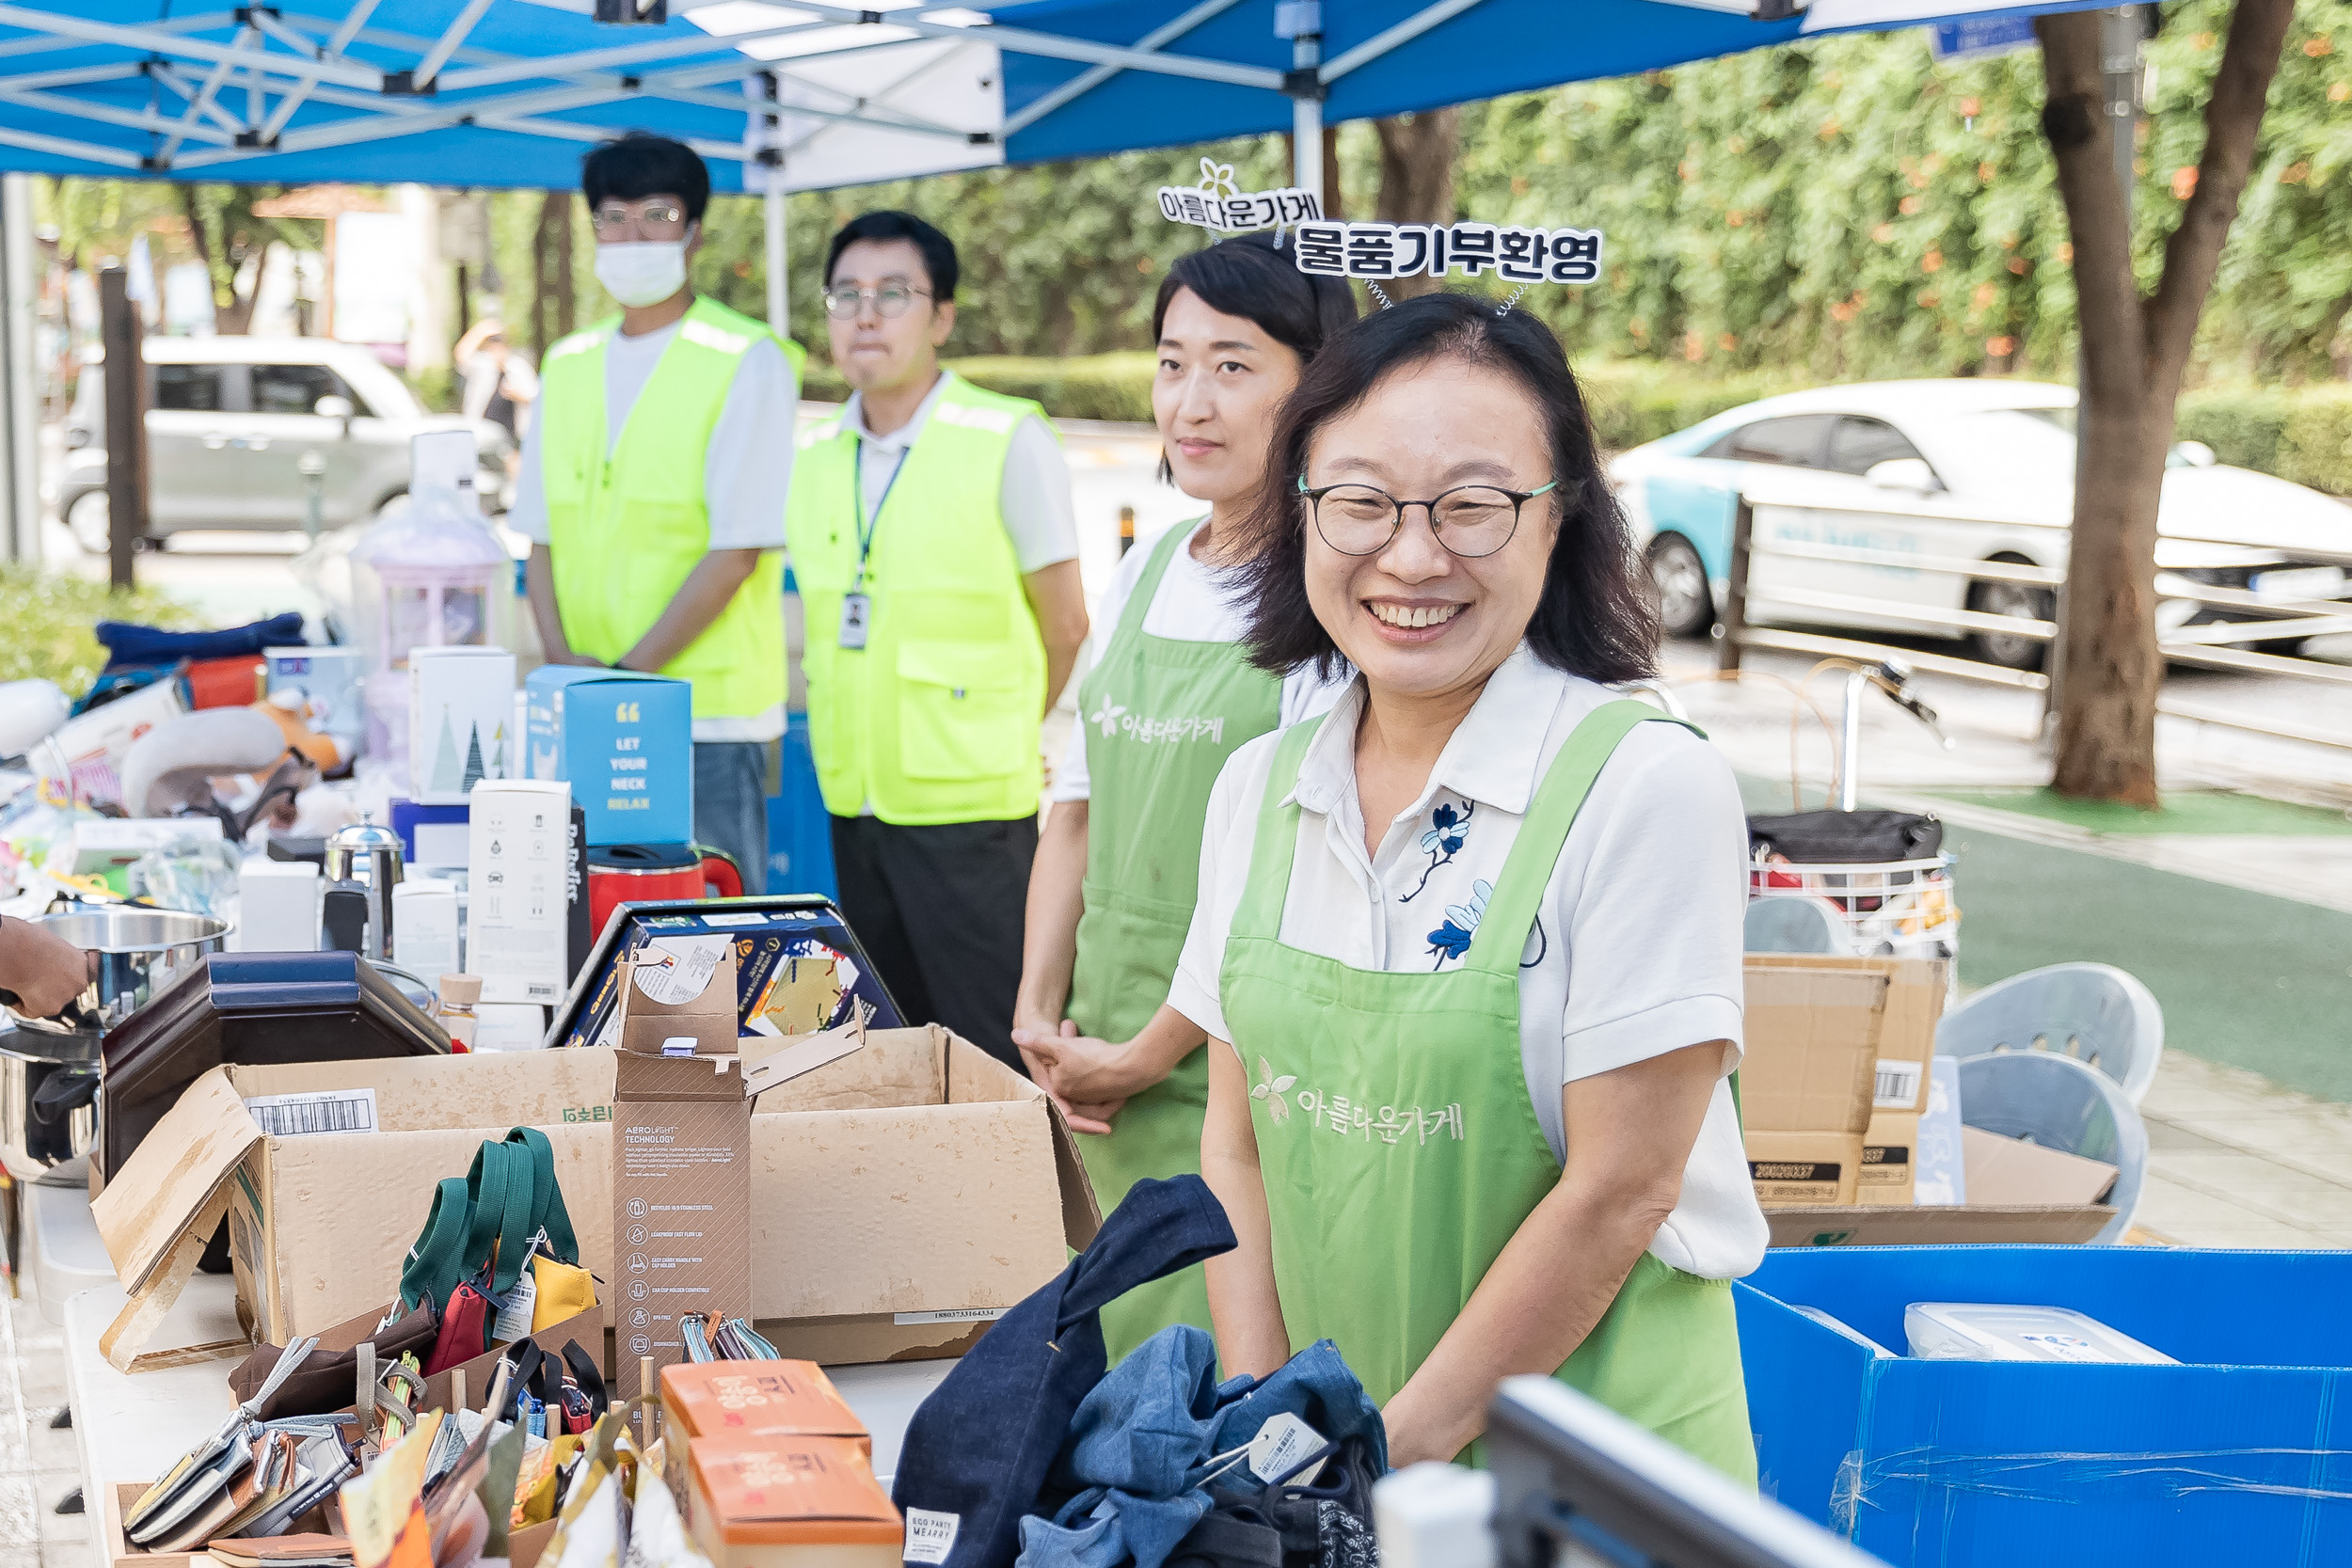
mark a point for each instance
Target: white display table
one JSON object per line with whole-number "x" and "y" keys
{"x": 132, "y": 1428}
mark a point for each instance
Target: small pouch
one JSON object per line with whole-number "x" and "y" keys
{"x": 465, "y": 1330}
{"x": 565, "y": 1290}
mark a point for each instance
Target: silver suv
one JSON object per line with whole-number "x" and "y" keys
{"x": 232, "y": 424}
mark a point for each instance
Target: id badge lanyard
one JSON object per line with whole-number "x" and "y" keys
{"x": 857, "y": 605}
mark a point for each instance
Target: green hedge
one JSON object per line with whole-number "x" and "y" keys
{"x": 2303, "y": 434}
{"x": 49, "y": 617}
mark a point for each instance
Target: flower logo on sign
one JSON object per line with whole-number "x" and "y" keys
{"x": 1218, "y": 178}
{"x": 1269, "y": 1089}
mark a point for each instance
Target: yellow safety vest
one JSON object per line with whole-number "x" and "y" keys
{"x": 935, "y": 718}
{"x": 627, "y": 522}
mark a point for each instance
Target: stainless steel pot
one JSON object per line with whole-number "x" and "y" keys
{"x": 49, "y": 1066}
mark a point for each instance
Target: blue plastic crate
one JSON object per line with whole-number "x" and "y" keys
{"x": 800, "y": 833}
{"x": 2243, "y": 1455}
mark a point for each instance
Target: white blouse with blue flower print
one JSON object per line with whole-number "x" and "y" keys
{"x": 1636, "y": 947}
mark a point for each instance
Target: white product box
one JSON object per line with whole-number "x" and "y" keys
{"x": 424, "y": 930}
{"x": 509, "y": 1026}
{"x": 461, "y": 716}
{"x": 278, "y": 906}
{"x": 91, "y": 746}
{"x": 518, "y": 857}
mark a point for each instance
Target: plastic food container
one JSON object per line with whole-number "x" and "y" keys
{"x": 1974, "y": 1331}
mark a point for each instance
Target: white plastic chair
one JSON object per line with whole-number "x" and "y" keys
{"x": 1793, "y": 923}
{"x": 2058, "y": 1102}
{"x": 2093, "y": 1013}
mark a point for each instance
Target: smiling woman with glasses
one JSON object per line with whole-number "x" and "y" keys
{"x": 1468, "y": 947}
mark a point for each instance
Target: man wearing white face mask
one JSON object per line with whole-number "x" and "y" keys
{"x": 653, "y": 485}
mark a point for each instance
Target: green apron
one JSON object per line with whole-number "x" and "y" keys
{"x": 1163, "y": 715}
{"x": 1400, "y": 1151}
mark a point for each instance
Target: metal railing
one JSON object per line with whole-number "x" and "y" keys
{"x": 2225, "y": 644}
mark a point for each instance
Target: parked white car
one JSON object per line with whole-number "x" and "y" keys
{"x": 231, "y": 421}
{"x": 1969, "y": 469}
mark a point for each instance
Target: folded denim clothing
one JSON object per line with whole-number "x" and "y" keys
{"x": 1148, "y": 1424}
{"x": 979, "y": 1450}
{"x": 1317, "y": 1386}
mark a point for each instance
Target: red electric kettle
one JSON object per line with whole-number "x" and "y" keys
{"x": 627, "y": 873}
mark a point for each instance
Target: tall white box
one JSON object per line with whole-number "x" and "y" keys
{"x": 461, "y": 718}
{"x": 517, "y": 858}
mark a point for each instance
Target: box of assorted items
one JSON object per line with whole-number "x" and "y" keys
{"x": 2056, "y": 1404}
{"x": 1857, "y": 1035}
{"x": 905, "y": 1188}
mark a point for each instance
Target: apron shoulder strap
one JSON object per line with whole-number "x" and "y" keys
{"x": 1259, "y": 912}
{"x": 1139, "y": 603}
{"x": 1510, "y": 911}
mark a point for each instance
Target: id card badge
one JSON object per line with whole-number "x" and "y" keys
{"x": 855, "y": 610}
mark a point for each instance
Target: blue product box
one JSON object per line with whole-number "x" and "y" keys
{"x": 624, "y": 741}
{"x": 764, "y": 940}
{"x": 2243, "y": 1454}
{"x": 430, "y": 835}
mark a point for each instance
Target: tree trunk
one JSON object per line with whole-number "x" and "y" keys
{"x": 552, "y": 302}
{"x": 1416, "y": 176}
{"x": 2134, "y": 354}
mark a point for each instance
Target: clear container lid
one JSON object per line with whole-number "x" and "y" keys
{"x": 1986, "y": 1331}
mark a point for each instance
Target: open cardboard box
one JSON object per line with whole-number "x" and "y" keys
{"x": 902, "y": 1193}
{"x": 2017, "y": 1193}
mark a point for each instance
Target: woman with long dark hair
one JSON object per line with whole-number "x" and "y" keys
{"x": 1172, "y": 695}
{"x": 1467, "y": 947}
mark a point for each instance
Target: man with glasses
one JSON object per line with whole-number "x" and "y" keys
{"x": 937, "y": 554}
{"x": 653, "y": 484}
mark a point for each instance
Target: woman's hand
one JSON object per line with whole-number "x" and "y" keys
{"x": 1071, "y": 1068}
{"x": 43, "y": 969}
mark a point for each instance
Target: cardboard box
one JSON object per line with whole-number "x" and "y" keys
{"x": 624, "y": 743}
{"x": 749, "y": 1401}
{"x": 461, "y": 712}
{"x": 1915, "y": 992}
{"x": 902, "y": 1195}
{"x": 677, "y": 998}
{"x": 2011, "y": 1171}
{"x": 2235, "y": 1456}
{"x": 681, "y": 1204}
{"x": 518, "y": 866}
{"x": 1805, "y": 1169}
{"x": 1887, "y": 1170}
{"x": 766, "y": 941}
{"x": 2018, "y": 1192}
{"x": 810, "y": 1502}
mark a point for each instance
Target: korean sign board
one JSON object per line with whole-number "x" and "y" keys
{"x": 1517, "y": 255}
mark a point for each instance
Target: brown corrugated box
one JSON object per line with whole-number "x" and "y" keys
{"x": 902, "y": 1195}
{"x": 682, "y": 1203}
{"x": 2018, "y": 1192}
{"x": 653, "y": 1027}
{"x": 1812, "y": 1037}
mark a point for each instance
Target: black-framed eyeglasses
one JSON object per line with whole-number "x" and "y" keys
{"x": 843, "y": 300}
{"x": 1470, "y": 520}
{"x": 656, "y": 217}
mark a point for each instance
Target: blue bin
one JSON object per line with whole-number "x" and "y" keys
{"x": 800, "y": 834}
{"x": 2244, "y": 1454}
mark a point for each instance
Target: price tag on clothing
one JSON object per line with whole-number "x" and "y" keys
{"x": 1280, "y": 1446}
{"x": 856, "y": 611}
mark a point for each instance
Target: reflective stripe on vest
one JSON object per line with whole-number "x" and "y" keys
{"x": 935, "y": 719}
{"x": 625, "y": 525}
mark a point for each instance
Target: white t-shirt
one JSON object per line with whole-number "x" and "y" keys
{"x": 1195, "y": 603}
{"x": 747, "y": 466}
{"x": 1637, "y": 945}
{"x": 1034, "y": 497}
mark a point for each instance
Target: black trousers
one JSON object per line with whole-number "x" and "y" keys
{"x": 940, "y": 910}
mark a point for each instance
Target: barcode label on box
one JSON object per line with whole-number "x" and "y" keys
{"x": 1897, "y": 1085}
{"x": 295, "y": 1115}
{"x": 931, "y": 1535}
{"x": 949, "y": 1315}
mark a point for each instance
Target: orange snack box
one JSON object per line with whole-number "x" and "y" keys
{"x": 751, "y": 1399}
{"x": 791, "y": 1502}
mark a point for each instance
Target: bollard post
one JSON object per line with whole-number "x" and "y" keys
{"x": 1126, "y": 529}
{"x": 1733, "y": 628}
{"x": 118, "y": 329}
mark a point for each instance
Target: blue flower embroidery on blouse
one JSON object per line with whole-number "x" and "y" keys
{"x": 1449, "y": 942}
{"x": 1449, "y": 829}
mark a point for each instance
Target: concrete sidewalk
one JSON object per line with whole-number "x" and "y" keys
{"x": 2235, "y": 909}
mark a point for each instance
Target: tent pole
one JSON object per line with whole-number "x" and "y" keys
{"x": 1301, "y": 22}
{"x": 779, "y": 299}
{"x": 20, "y": 271}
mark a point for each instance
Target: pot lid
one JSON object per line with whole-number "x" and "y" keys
{"x": 364, "y": 835}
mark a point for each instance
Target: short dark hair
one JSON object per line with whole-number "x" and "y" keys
{"x": 639, "y": 163}
{"x": 1593, "y": 618}
{"x": 938, "y": 252}
{"x": 1247, "y": 277}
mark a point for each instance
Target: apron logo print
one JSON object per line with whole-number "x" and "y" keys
{"x": 1108, "y": 716}
{"x": 1269, "y": 1089}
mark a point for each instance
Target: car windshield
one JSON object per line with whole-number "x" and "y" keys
{"x": 2005, "y": 445}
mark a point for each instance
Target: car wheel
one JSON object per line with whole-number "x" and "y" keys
{"x": 2026, "y": 603}
{"x": 1677, "y": 580}
{"x": 87, "y": 520}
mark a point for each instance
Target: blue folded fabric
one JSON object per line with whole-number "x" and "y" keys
{"x": 129, "y": 644}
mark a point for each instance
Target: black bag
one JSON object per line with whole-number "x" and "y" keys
{"x": 326, "y": 1381}
{"x": 1847, "y": 837}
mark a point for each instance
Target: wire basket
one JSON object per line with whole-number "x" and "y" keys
{"x": 1902, "y": 909}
